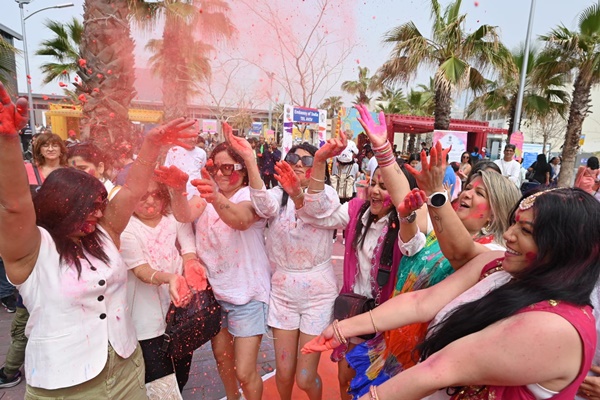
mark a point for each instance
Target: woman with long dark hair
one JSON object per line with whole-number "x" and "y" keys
{"x": 62, "y": 252}
{"x": 230, "y": 243}
{"x": 540, "y": 170}
{"x": 303, "y": 286}
{"x": 516, "y": 325}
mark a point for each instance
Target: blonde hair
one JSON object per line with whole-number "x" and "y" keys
{"x": 503, "y": 195}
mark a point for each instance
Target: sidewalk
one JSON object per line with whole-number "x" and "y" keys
{"x": 204, "y": 382}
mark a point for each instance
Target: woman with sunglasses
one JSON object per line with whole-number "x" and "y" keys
{"x": 465, "y": 167}
{"x": 149, "y": 246}
{"x": 303, "y": 286}
{"x": 62, "y": 252}
{"x": 230, "y": 242}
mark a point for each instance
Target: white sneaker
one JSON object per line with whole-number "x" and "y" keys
{"x": 343, "y": 241}
{"x": 334, "y": 241}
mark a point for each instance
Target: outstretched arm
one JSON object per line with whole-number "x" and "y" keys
{"x": 19, "y": 235}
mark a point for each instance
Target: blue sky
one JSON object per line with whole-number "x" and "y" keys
{"x": 372, "y": 18}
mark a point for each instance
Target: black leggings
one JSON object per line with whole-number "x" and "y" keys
{"x": 158, "y": 364}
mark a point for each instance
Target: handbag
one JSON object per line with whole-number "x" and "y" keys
{"x": 191, "y": 326}
{"x": 348, "y": 305}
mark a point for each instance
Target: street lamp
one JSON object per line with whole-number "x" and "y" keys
{"x": 23, "y": 19}
{"x": 520, "y": 95}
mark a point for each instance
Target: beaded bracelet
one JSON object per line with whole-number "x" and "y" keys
{"x": 373, "y": 392}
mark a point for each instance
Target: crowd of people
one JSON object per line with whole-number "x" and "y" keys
{"x": 478, "y": 287}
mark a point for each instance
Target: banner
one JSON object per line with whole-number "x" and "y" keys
{"x": 303, "y": 115}
{"x": 517, "y": 139}
{"x": 209, "y": 126}
{"x": 530, "y": 153}
{"x": 256, "y": 128}
{"x": 456, "y": 139}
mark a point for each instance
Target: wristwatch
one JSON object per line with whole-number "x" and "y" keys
{"x": 409, "y": 219}
{"x": 437, "y": 199}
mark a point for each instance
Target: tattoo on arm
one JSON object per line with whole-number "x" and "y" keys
{"x": 223, "y": 206}
{"x": 437, "y": 221}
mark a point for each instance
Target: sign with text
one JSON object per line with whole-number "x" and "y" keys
{"x": 306, "y": 115}
{"x": 455, "y": 139}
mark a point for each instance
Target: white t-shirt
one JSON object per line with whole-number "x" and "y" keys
{"x": 511, "y": 169}
{"x": 351, "y": 146}
{"x": 237, "y": 263}
{"x": 189, "y": 161}
{"x": 372, "y": 165}
{"x": 143, "y": 244}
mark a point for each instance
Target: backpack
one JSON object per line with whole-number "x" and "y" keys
{"x": 343, "y": 182}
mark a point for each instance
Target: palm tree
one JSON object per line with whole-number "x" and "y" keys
{"x": 107, "y": 71}
{"x": 459, "y": 58}
{"x": 7, "y": 67}
{"x": 578, "y": 52}
{"x": 391, "y": 100}
{"x": 179, "y": 58}
{"x": 363, "y": 87}
{"x": 332, "y": 104}
{"x": 543, "y": 94}
{"x": 64, "y": 47}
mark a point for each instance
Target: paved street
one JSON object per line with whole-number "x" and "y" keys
{"x": 204, "y": 382}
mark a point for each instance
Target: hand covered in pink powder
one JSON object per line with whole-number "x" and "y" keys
{"x": 207, "y": 188}
{"x": 170, "y": 133}
{"x": 332, "y": 147}
{"x": 325, "y": 341}
{"x": 287, "y": 178}
{"x": 195, "y": 274}
{"x": 412, "y": 202}
{"x": 431, "y": 176}
{"x": 171, "y": 176}
{"x": 377, "y": 133}
{"x": 13, "y": 117}
{"x": 238, "y": 144}
{"x": 179, "y": 290}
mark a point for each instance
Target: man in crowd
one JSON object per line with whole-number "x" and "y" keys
{"x": 509, "y": 166}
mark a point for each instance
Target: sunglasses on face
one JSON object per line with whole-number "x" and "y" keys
{"x": 226, "y": 169}
{"x": 293, "y": 158}
{"x": 156, "y": 194}
{"x": 465, "y": 157}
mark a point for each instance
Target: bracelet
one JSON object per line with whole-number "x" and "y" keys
{"x": 317, "y": 180}
{"x": 146, "y": 163}
{"x": 409, "y": 219}
{"x": 373, "y": 321}
{"x": 338, "y": 332}
{"x": 387, "y": 143}
{"x": 152, "y": 277}
{"x": 373, "y": 392}
{"x": 387, "y": 162}
{"x": 298, "y": 195}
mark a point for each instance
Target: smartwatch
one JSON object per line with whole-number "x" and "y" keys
{"x": 410, "y": 218}
{"x": 437, "y": 199}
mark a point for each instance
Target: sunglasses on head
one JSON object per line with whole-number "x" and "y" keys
{"x": 226, "y": 169}
{"x": 293, "y": 158}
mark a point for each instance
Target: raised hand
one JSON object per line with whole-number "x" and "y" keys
{"x": 238, "y": 144}
{"x": 207, "y": 188}
{"x": 412, "y": 202}
{"x": 431, "y": 177}
{"x": 332, "y": 147}
{"x": 179, "y": 290}
{"x": 171, "y": 176}
{"x": 169, "y": 134}
{"x": 195, "y": 275}
{"x": 377, "y": 133}
{"x": 13, "y": 117}
{"x": 325, "y": 341}
{"x": 287, "y": 178}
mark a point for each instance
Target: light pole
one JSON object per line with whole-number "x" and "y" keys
{"x": 271, "y": 76}
{"x": 26, "y": 55}
{"x": 517, "y": 116}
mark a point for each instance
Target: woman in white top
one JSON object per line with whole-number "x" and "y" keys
{"x": 230, "y": 243}
{"x": 62, "y": 252}
{"x": 156, "y": 267}
{"x": 87, "y": 157}
{"x": 303, "y": 287}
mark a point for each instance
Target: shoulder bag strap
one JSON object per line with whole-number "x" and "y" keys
{"x": 37, "y": 174}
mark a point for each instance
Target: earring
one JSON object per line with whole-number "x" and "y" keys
{"x": 486, "y": 229}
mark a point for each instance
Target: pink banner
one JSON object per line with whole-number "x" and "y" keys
{"x": 517, "y": 139}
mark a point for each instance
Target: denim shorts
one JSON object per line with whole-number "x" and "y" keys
{"x": 245, "y": 320}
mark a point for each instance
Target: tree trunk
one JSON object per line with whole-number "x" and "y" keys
{"x": 511, "y": 118}
{"x": 577, "y": 113}
{"x": 176, "y": 82}
{"x": 411, "y": 143}
{"x": 108, "y": 75}
{"x": 443, "y": 106}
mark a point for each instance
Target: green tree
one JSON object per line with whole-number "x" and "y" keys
{"x": 391, "y": 100}
{"x": 332, "y": 104}
{"x": 543, "y": 93}
{"x": 64, "y": 48}
{"x": 459, "y": 58}
{"x": 363, "y": 87}
{"x": 578, "y": 52}
{"x": 7, "y": 64}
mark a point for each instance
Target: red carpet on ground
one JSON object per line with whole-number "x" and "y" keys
{"x": 328, "y": 373}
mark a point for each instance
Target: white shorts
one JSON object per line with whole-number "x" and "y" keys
{"x": 303, "y": 299}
